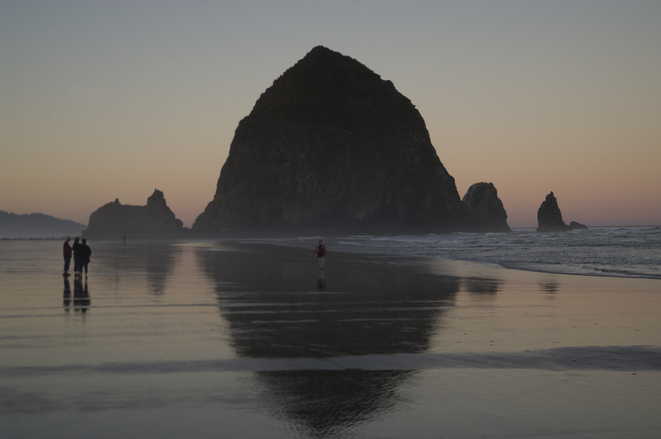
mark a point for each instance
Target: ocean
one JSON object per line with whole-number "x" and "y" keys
{"x": 630, "y": 252}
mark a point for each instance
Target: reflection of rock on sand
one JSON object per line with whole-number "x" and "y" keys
{"x": 481, "y": 286}
{"x": 329, "y": 403}
{"x": 273, "y": 312}
{"x": 156, "y": 260}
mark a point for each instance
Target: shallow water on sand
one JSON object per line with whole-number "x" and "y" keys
{"x": 208, "y": 339}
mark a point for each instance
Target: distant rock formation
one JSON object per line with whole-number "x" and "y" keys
{"x": 36, "y": 225}
{"x": 549, "y": 217}
{"x": 490, "y": 215}
{"x": 332, "y": 147}
{"x": 115, "y": 220}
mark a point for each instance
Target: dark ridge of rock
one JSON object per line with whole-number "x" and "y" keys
{"x": 115, "y": 220}
{"x": 490, "y": 215}
{"x": 549, "y": 217}
{"x": 577, "y": 226}
{"x": 332, "y": 147}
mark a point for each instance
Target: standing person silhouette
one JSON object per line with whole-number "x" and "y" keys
{"x": 66, "y": 251}
{"x": 320, "y": 251}
{"x": 85, "y": 253}
{"x": 76, "y": 257}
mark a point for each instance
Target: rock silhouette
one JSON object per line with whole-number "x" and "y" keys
{"x": 549, "y": 217}
{"x": 490, "y": 215}
{"x": 115, "y": 220}
{"x": 332, "y": 147}
{"x": 574, "y": 225}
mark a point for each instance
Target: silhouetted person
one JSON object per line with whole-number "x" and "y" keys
{"x": 66, "y": 252}
{"x": 320, "y": 251}
{"x": 76, "y": 257}
{"x": 85, "y": 253}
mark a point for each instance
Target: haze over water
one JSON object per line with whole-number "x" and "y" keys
{"x": 221, "y": 338}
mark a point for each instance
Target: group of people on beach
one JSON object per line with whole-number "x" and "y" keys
{"x": 81, "y": 253}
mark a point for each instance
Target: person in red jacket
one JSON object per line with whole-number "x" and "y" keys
{"x": 66, "y": 251}
{"x": 320, "y": 251}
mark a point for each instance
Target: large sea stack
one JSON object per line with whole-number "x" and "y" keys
{"x": 115, "y": 220}
{"x": 331, "y": 147}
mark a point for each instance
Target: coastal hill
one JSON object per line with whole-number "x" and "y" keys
{"x": 331, "y": 147}
{"x": 36, "y": 225}
{"x": 115, "y": 220}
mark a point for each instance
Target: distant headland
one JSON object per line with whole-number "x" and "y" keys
{"x": 36, "y": 225}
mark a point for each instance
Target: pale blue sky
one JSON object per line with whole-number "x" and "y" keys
{"x": 100, "y": 100}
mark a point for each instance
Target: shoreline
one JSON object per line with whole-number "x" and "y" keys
{"x": 354, "y": 245}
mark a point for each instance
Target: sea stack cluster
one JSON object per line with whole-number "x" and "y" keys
{"x": 329, "y": 148}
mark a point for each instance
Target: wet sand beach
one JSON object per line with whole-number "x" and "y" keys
{"x": 251, "y": 340}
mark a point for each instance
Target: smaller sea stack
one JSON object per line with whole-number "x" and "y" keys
{"x": 153, "y": 221}
{"x": 490, "y": 215}
{"x": 549, "y": 217}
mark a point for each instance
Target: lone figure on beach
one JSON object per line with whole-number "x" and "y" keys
{"x": 66, "y": 251}
{"x": 85, "y": 253}
{"x": 320, "y": 251}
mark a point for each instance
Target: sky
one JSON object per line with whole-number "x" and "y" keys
{"x": 113, "y": 99}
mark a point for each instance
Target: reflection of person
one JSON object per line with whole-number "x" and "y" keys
{"x": 76, "y": 257}
{"x": 321, "y": 281}
{"x": 85, "y": 253}
{"x": 66, "y": 251}
{"x": 67, "y": 294}
{"x": 81, "y": 295}
{"x": 77, "y": 288}
{"x": 320, "y": 251}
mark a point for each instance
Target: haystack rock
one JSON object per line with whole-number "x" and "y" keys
{"x": 549, "y": 218}
{"x": 490, "y": 215}
{"x": 331, "y": 147}
{"x": 115, "y": 220}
